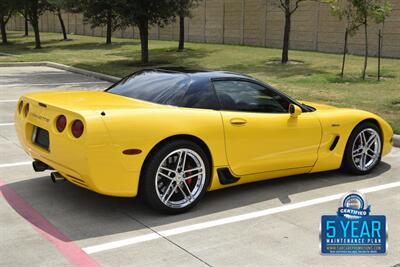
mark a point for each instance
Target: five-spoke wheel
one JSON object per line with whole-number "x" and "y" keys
{"x": 364, "y": 147}
{"x": 176, "y": 176}
{"x": 180, "y": 178}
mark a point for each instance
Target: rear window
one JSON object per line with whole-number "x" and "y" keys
{"x": 153, "y": 86}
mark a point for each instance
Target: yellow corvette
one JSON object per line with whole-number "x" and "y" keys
{"x": 171, "y": 136}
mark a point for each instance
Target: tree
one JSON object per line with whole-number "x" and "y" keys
{"x": 7, "y": 8}
{"x": 146, "y": 13}
{"x": 99, "y": 13}
{"x": 57, "y": 6}
{"x": 24, "y": 13}
{"x": 374, "y": 9}
{"x": 184, "y": 10}
{"x": 288, "y": 7}
{"x": 35, "y": 9}
{"x": 344, "y": 9}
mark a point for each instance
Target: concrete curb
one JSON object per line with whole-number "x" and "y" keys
{"x": 88, "y": 73}
{"x": 104, "y": 77}
{"x": 396, "y": 140}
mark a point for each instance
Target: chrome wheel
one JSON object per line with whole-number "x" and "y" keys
{"x": 366, "y": 149}
{"x": 180, "y": 178}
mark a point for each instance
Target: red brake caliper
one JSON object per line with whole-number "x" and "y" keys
{"x": 189, "y": 181}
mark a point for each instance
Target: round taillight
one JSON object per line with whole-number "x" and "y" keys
{"x": 61, "y": 123}
{"x": 77, "y": 128}
{"x": 26, "y": 109}
{"x": 20, "y": 105}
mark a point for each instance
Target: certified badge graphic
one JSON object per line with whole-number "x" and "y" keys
{"x": 353, "y": 206}
{"x": 353, "y": 230}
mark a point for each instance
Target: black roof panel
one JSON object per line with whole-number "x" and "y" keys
{"x": 201, "y": 73}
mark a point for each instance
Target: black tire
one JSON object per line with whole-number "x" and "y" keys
{"x": 348, "y": 163}
{"x": 148, "y": 179}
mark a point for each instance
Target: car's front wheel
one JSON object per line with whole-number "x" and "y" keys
{"x": 364, "y": 148}
{"x": 176, "y": 177}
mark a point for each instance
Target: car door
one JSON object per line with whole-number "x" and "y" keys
{"x": 260, "y": 134}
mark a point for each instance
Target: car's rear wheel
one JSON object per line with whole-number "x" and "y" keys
{"x": 176, "y": 177}
{"x": 364, "y": 148}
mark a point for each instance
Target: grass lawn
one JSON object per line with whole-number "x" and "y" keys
{"x": 315, "y": 80}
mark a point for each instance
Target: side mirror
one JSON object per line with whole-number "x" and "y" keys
{"x": 294, "y": 110}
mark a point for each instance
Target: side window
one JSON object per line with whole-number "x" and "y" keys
{"x": 249, "y": 97}
{"x": 200, "y": 95}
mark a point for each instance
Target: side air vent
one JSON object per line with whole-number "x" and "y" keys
{"x": 334, "y": 143}
{"x": 225, "y": 176}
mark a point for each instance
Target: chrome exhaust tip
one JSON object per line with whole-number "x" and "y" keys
{"x": 39, "y": 166}
{"x": 55, "y": 176}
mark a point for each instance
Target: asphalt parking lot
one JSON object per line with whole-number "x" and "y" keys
{"x": 273, "y": 223}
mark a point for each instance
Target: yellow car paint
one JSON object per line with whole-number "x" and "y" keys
{"x": 254, "y": 146}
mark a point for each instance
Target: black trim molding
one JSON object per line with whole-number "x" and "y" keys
{"x": 226, "y": 177}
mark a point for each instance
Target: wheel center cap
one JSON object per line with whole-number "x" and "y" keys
{"x": 179, "y": 178}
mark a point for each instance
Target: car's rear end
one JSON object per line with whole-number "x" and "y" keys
{"x": 63, "y": 131}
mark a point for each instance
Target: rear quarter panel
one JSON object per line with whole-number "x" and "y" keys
{"x": 144, "y": 128}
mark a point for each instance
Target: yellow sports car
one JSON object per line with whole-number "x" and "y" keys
{"x": 170, "y": 136}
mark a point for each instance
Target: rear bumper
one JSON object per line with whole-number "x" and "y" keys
{"x": 92, "y": 161}
{"x": 120, "y": 183}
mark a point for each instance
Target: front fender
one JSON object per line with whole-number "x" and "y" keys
{"x": 340, "y": 123}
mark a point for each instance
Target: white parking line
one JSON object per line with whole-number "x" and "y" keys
{"x": 7, "y": 124}
{"x": 15, "y": 164}
{"x": 228, "y": 220}
{"x": 48, "y": 84}
{"x": 8, "y": 100}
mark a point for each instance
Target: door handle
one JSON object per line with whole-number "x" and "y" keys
{"x": 238, "y": 121}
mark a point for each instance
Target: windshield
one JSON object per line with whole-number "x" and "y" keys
{"x": 155, "y": 86}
